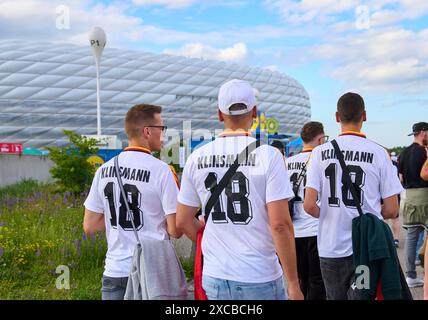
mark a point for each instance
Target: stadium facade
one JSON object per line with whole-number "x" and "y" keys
{"x": 47, "y": 87}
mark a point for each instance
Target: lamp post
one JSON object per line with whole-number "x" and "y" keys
{"x": 97, "y": 39}
{"x": 256, "y": 95}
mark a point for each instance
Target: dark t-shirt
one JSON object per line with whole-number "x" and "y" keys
{"x": 410, "y": 164}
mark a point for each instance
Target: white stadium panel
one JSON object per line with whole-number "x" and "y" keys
{"x": 47, "y": 93}
{"x": 76, "y": 82}
{"x": 121, "y": 86}
{"x": 18, "y": 92}
{"x": 82, "y": 70}
{"x": 47, "y": 87}
{"x": 112, "y": 73}
{"x": 13, "y": 66}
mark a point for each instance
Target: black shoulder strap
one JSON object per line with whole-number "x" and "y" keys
{"x": 125, "y": 198}
{"x": 300, "y": 178}
{"x": 227, "y": 176}
{"x": 346, "y": 173}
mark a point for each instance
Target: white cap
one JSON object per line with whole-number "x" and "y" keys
{"x": 236, "y": 91}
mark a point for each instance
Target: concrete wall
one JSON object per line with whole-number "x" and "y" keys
{"x": 14, "y": 168}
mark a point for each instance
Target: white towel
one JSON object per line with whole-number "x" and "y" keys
{"x": 156, "y": 273}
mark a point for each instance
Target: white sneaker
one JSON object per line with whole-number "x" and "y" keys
{"x": 414, "y": 282}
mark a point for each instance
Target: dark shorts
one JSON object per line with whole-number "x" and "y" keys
{"x": 308, "y": 268}
{"x": 338, "y": 275}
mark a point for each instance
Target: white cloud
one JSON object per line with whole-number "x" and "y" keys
{"x": 384, "y": 57}
{"x": 408, "y": 10}
{"x": 238, "y": 52}
{"x": 387, "y": 60}
{"x": 23, "y": 9}
{"x": 272, "y": 67}
{"x": 179, "y": 4}
{"x": 308, "y": 10}
{"x": 329, "y": 13}
{"x": 166, "y": 3}
{"x": 407, "y": 75}
{"x": 252, "y": 34}
{"x": 37, "y": 20}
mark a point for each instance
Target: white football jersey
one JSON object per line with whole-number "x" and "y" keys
{"x": 152, "y": 194}
{"x": 370, "y": 169}
{"x": 237, "y": 244}
{"x": 304, "y": 224}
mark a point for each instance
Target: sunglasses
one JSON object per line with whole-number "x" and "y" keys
{"x": 325, "y": 138}
{"x": 163, "y": 128}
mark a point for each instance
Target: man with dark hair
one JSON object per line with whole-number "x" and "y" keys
{"x": 249, "y": 226}
{"x": 306, "y": 226}
{"x": 415, "y": 211}
{"x": 279, "y": 145}
{"x": 375, "y": 179}
{"x": 350, "y": 107}
{"x": 312, "y": 130}
{"x": 152, "y": 192}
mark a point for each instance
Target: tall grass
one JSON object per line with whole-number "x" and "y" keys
{"x": 23, "y": 188}
{"x": 39, "y": 231}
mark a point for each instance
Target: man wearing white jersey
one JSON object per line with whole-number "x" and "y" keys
{"x": 375, "y": 179}
{"x": 249, "y": 226}
{"x": 152, "y": 193}
{"x": 306, "y": 226}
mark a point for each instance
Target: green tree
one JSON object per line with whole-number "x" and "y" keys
{"x": 72, "y": 171}
{"x": 397, "y": 150}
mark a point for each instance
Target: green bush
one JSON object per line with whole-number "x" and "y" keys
{"x": 188, "y": 267}
{"x": 72, "y": 171}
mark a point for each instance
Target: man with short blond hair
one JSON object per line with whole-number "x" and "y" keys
{"x": 152, "y": 195}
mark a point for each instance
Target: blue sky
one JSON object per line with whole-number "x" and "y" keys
{"x": 378, "y": 48}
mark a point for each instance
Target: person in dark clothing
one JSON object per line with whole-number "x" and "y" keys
{"x": 279, "y": 145}
{"x": 306, "y": 226}
{"x": 415, "y": 212}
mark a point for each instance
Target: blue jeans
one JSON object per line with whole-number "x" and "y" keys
{"x": 412, "y": 239}
{"x": 219, "y": 289}
{"x": 420, "y": 243}
{"x": 113, "y": 288}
